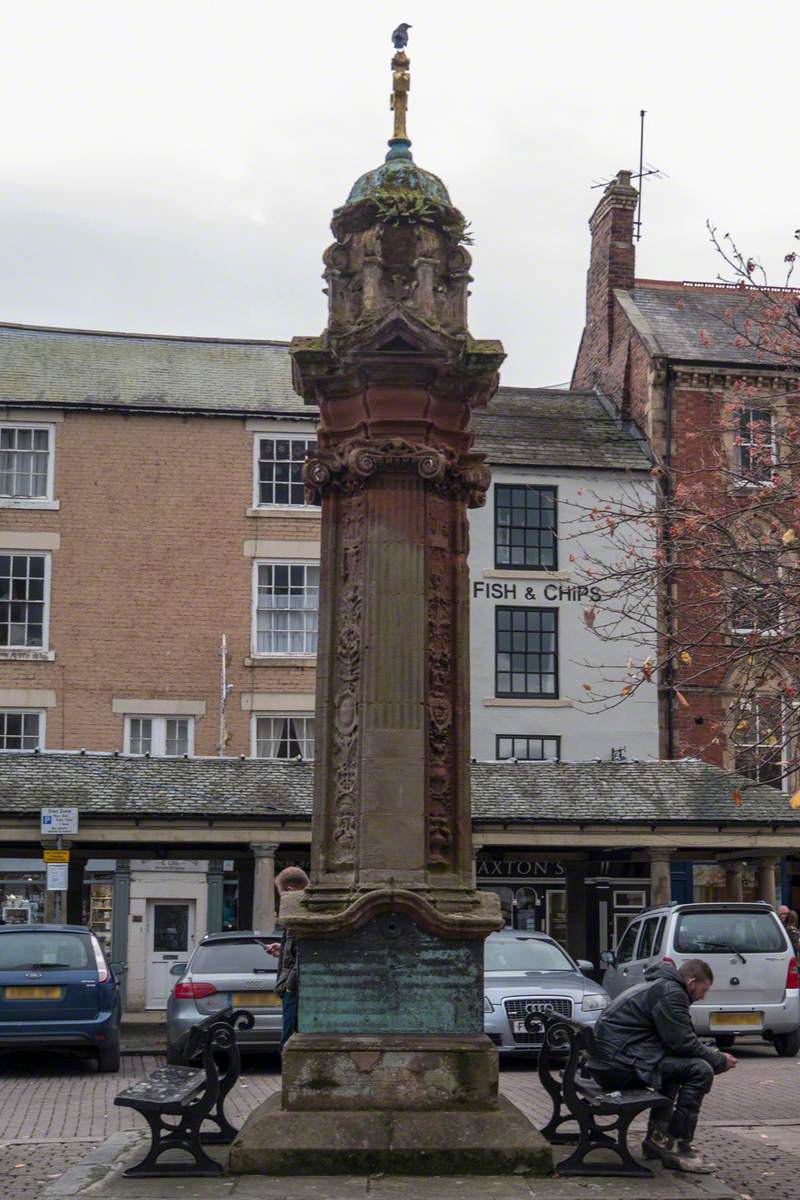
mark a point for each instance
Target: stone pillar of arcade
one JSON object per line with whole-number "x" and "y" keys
{"x": 390, "y": 1069}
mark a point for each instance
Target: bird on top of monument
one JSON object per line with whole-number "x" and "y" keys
{"x": 400, "y": 36}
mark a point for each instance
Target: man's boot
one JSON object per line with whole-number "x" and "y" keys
{"x": 656, "y": 1139}
{"x": 681, "y": 1154}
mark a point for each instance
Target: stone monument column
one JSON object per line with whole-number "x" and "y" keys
{"x": 390, "y": 1069}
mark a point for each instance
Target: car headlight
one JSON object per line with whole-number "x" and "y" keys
{"x": 593, "y": 1001}
{"x": 487, "y": 1005}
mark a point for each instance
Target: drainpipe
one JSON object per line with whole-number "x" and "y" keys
{"x": 666, "y": 492}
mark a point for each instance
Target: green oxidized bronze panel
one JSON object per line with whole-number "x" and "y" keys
{"x": 391, "y": 978}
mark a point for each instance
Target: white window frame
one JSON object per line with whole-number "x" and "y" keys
{"x": 276, "y": 654}
{"x": 292, "y": 437}
{"x": 46, "y": 501}
{"x": 33, "y": 651}
{"x": 158, "y": 741}
{"x": 752, "y": 710}
{"x": 278, "y": 716}
{"x": 744, "y": 479}
{"x": 41, "y": 713}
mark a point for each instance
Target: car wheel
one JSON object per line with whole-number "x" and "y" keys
{"x": 787, "y": 1044}
{"x": 173, "y": 1056}
{"x": 108, "y": 1060}
{"x": 725, "y": 1041}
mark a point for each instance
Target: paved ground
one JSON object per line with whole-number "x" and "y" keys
{"x": 52, "y": 1111}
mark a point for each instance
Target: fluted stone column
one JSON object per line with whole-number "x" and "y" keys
{"x": 766, "y": 880}
{"x": 660, "y": 877}
{"x": 264, "y": 908}
{"x": 733, "y": 880}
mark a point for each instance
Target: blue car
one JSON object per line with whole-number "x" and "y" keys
{"x": 58, "y": 992}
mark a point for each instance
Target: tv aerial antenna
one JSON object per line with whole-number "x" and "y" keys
{"x": 646, "y": 171}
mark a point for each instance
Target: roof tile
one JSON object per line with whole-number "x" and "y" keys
{"x": 538, "y": 793}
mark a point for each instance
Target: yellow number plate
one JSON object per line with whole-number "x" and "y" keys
{"x": 33, "y": 993}
{"x": 255, "y": 999}
{"x": 736, "y": 1020}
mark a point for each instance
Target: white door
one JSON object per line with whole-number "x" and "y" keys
{"x": 170, "y": 939}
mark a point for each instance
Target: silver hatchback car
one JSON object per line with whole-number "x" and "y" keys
{"x": 526, "y": 973}
{"x": 227, "y": 970}
{"x": 755, "y": 989}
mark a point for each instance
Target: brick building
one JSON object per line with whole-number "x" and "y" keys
{"x": 669, "y": 356}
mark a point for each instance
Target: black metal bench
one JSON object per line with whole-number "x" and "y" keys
{"x": 193, "y": 1095}
{"x": 567, "y": 1062}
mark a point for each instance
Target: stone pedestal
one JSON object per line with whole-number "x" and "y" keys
{"x": 390, "y": 1072}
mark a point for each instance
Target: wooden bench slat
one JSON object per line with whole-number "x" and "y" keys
{"x": 166, "y": 1085}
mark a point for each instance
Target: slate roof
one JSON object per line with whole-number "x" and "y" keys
{"x": 80, "y": 368}
{"x": 102, "y": 784}
{"x": 546, "y": 427}
{"x": 679, "y": 319}
{"x": 151, "y": 373}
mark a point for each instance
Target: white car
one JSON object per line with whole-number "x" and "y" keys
{"x": 755, "y": 989}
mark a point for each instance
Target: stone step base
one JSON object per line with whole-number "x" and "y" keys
{"x": 277, "y": 1142}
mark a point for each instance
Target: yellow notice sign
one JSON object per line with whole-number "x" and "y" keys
{"x": 61, "y": 856}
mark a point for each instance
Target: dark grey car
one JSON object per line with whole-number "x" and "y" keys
{"x": 227, "y": 970}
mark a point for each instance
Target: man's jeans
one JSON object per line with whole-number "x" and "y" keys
{"x": 289, "y": 1005}
{"x": 685, "y": 1081}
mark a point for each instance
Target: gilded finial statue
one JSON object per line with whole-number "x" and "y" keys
{"x": 401, "y": 81}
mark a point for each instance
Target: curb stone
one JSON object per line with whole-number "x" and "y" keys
{"x": 97, "y": 1164}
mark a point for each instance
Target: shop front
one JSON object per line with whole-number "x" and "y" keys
{"x": 533, "y": 894}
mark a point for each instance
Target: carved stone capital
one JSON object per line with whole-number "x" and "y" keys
{"x": 355, "y": 461}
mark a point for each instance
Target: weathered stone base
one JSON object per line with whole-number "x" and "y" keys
{"x": 274, "y": 1141}
{"x": 389, "y": 1073}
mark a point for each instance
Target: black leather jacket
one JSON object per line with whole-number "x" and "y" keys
{"x": 648, "y": 1022}
{"x": 286, "y": 980}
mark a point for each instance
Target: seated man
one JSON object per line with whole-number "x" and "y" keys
{"x": 646, "y": 1037}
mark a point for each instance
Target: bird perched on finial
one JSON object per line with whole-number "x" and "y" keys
{"x": 400, "y": 36}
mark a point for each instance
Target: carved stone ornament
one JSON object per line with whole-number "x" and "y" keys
{"x": 441, "y": 807}
{"x": 344, "y": 773}
{"x": 354, "y": 461}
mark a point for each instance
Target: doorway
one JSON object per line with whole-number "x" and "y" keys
{"x": 170, "y": 939}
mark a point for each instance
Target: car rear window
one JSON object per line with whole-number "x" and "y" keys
{"x": 48, "y": 950}
{"x": 524, "y": 954}
{"x": 244, "y": 957}
{"x": 716, "y": 932}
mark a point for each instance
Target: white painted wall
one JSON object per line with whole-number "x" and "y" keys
{"x": 158, "y": 884}
{"x": 587, "y": 729}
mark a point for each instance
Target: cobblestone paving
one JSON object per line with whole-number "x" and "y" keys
{"x": 27, "y": 1167}
{"x": 52, "y": 1111}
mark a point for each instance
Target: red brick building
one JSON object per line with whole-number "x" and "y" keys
{"x": 668, "y": 356}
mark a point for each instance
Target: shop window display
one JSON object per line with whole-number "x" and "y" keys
{"x": 22, "y": 896}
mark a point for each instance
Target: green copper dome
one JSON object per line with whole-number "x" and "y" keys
{"x": 399, "y": 173}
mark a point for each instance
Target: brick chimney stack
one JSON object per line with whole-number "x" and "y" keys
{"x": 612, "y": 265}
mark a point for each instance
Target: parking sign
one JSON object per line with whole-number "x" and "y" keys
{"x": 59, "y": 822}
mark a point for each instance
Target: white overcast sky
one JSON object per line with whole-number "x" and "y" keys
{"x": 171, "y": 167}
